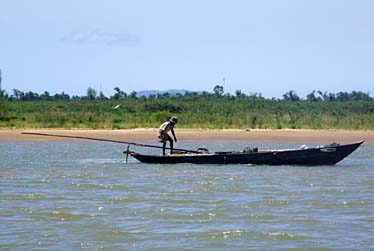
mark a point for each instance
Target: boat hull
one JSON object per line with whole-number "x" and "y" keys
{"x": 328, "y": 155}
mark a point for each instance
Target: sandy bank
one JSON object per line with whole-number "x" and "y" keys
{"x": 196, "y": 135}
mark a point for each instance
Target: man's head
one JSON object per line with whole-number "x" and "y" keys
{"x": 174, "y": 120}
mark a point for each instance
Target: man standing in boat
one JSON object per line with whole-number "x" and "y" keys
{"x": 163, "y": 135}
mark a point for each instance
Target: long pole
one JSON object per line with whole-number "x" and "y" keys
{"x": 106, "y": 140}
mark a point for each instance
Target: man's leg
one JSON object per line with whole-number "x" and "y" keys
{"x": 171, "y": 145}
{"x": 163, "y": 147}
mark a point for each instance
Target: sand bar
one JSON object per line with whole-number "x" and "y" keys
{"x": 197, "y": 135}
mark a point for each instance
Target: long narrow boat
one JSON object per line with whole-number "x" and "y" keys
{"x": 320, "y": 155}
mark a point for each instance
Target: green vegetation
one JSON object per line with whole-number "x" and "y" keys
{"x": 217, "y": 110}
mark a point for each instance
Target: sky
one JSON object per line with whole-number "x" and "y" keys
{"x": 268, "y": 47}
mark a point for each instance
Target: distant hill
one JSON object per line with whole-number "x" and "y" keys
{"x": 155, "y": 92}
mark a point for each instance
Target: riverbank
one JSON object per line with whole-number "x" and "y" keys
{"x": 197, "y": 135}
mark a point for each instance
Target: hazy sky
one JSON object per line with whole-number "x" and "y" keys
{"x": 268, "y": 47}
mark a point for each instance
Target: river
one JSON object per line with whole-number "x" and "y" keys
{"x": 83, "y": 196}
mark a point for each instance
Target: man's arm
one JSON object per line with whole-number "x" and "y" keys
{"x": 172, "y": 131}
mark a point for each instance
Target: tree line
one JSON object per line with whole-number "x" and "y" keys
{"x": 218, "y": 91}
{"x": 211, "y": 110}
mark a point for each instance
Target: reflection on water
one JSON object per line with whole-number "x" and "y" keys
{"x": 69, "y": 196}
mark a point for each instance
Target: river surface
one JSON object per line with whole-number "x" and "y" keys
{"x": 83, "y": 196}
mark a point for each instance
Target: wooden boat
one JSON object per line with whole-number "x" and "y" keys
{"x": 320, "y": 155}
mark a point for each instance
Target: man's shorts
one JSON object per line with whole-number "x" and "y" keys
{"x": 163, "y": 137}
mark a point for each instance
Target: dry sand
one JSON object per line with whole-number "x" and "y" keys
{"x": 196, "y": 135}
